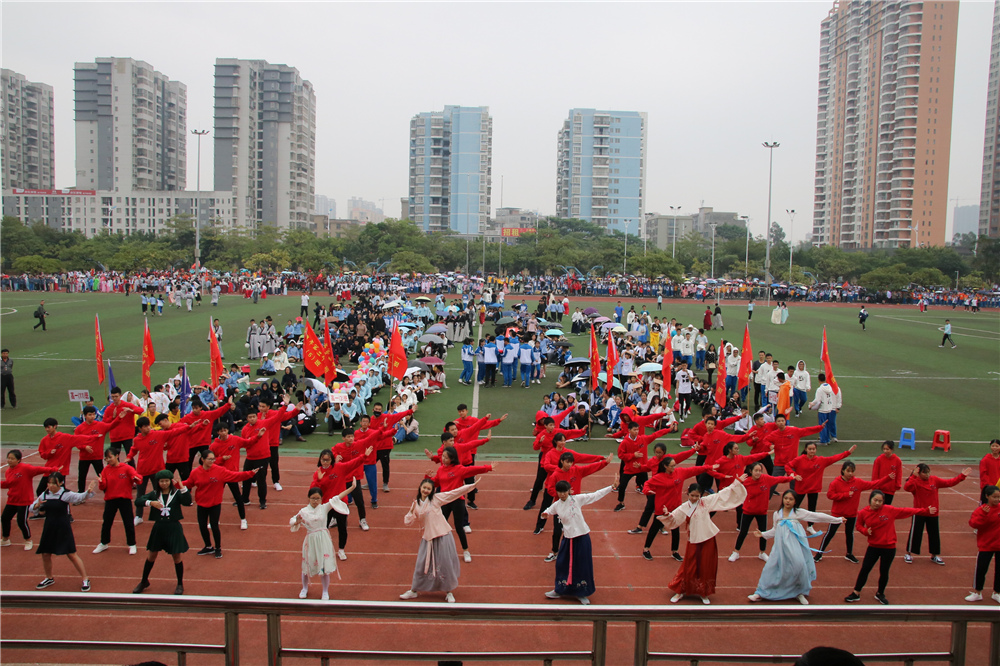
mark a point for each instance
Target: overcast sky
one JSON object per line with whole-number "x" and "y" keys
{"x": 716, "y": 79}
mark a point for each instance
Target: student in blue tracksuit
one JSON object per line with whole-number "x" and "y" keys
{"x": 468, "y": 357}
{"x": 527, "y": 362}
{"x": 509, "y": 361}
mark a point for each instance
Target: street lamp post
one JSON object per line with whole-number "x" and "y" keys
{"x": 713, "y": 225}
{"x": 767, "y": 250}
{"x": 197, "y": 210}
{"x": 746, "y": 263}
{"x": 791, "y": 219}
{"x": 673, "y": 212}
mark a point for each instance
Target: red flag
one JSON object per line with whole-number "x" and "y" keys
{"x": 746, "y": 360}
{"x": 397, "y": 355}
{"x": 668, "y": 366}
{"x": 825, "y": 356}
{"x": 720, "y": 383}
{"x": 595, "y": 360}
{"x": 331, "y": 365}
{"x": 148, "y": 358}
{"x": 100, "y": 349}
{"x": 217, "y": 367}
{"x": 612, "y": 361}
{"x": 313, "y": 354}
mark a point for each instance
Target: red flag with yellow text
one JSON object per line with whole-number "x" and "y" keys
{"x": 595, "y": 360}
{"x": 99, "y": 342}
{"x": 397, "y": 355}
{"x": 313, "y": 354}
{"x": 746, "y": 360}
{"x": 612, "y": 361}
{"x": 331, "y": 365}
{"x": 827, "y": 368}
{"x": 148, "y": 358}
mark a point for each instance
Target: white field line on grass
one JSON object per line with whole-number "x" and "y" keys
{"x": 954, "y": 328}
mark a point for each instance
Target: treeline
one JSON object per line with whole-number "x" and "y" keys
{"x": 401, "y": 246}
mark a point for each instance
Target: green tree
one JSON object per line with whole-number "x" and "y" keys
{"x": 407, "y": 261}
{"x": 886, "y": 277}
{"x": 929, "y": 277}
{"x": 987, "y": 259}
{"x": 35, "y": 265}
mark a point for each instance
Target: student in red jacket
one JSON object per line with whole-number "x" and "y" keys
{"x": 989, "y": 469}
{"x": 785, "y": 440}
{"x": 199, "y": 436}
{"x": 209, "y": 479}
{"x": 886, "y": 464}
{"x": 260, "y": 453}
{"x": 56, "y": 448}
{"x": 572, "y": 473}
{"x": 667, "y": 485}
{"x": 810, "y": 467}
{"x": 449, "y": 476}
{"x": 124, "y": 427}
{"x": 272, "y": 420}
{"x": 91, "y": 426}
{"x": 712, "y": 442}
{"x": 845, "y": 491}
{"x": 633, "y": 451}
{"x": 226, "y": 448}
{"x": 877, "y": 521}
{"x": 986, "y": 521}
{"x": 346, "y": 451}
{"x": 759, "y": 486}
{"x": 117, "y": 481}
{"x": 924, "y": 488}
{"x": 651, "y": 467}
{"x": 731, "y": 466}
{"x": 550, "y": 463}
{"x": 383, "y": 450}
{"x": 543, "y": 444}
{"x": 17, "y": 481}
{"x": 332, "y": 477}
{"x": 148, "y": 447}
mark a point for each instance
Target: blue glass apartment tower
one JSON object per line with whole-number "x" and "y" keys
{"x": 451, "y": 155}
{"x": 601, "y": 172}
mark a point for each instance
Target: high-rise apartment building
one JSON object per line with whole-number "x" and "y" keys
{"x": 325, "y": 206}
{"x": 451, "y": 166}
{"x": 265, "y": 142}
{"x": 886, "y": 79}
{"x": 601, "y": 168}
{"x": 131, "y": 127}
{"x": 28, "y": 144}
{"x": 989, "y": 197}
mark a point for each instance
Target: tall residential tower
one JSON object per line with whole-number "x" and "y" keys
{"x": 28, "y": 134}
{"x": 601, "y": 168}
{"x": 131, "y": 127}
{"x": 265, "y": 142}
{"x": 451, "y": 166}
{"x": 886, "y": 78}
{"x": 989, "y": 198}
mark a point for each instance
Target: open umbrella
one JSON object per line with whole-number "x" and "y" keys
{"x": 564, "y": 343}
{"x": 505, "y": 320}
{"x": 608, "y": 325}
{"x": 619, "y": 329}
{"x": 553, "y": 331}
{"x": 391, "y": 304}
{"x": 422, "y": 299}
{"x": 411, "y": 370}
{"x": 431, "y": 360}
{"x": 429, "y": 337}
{"x": 407, "y": 324}
{"x": 577, "y": 361}
{"x": 650, "y": 367}
{"x": 418, "y": 364}
{"x": 602, "y": 377}
{"x": 601, "y": 320}
{"x": 316, "y": 384}
{"x": 591, "y": 311}
{"x": 631, "y": 334}
{"x": 437, "y": 328}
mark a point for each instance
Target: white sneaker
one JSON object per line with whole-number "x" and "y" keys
{"x": 467, "y": 556}
{"x": 326, "y": 596}
{"x": 677, "y": 597}
{"x": 137, "y": 521}
{"x": 802, "y": 599}
{"x": 253, "y": 485}
{"x": 409, "y": 594}
{"x": 705, "y": 601}
{"x": 552, "y": 594}
{"x": 243, "y": 524}
{"x": 341, "y": 554}
{"x": 763, "y": 557}
{"x": 28, "y": 545}
{"x": 450, "y": 598}
{"x": 467, "y": 529}
{"x": 364, "y": 525}
{"x": 974, "y": 596}
{"x": 101, "y": 547}
{"x": 303, "y": 593}
{"x": 364, "y": 486}
{"x": 132, "y": 550}
{"x": 385, "y": 487}
{"x": 4, "y": 542}
{"x": 810, "y": 530}
{"x": 996, "y": 597}
{"x": 277, "y": 487}
{"x": 735, "y": 556}
{"x": 753, "y": 597}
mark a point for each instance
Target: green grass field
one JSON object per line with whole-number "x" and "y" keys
{"x": 893, "y": 376}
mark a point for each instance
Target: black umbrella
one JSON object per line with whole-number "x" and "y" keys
{"x": 564, "y": 344}
{"x": 418, "y": 364}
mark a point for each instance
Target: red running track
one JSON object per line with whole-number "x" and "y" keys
{"x": 507, "y": 567}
